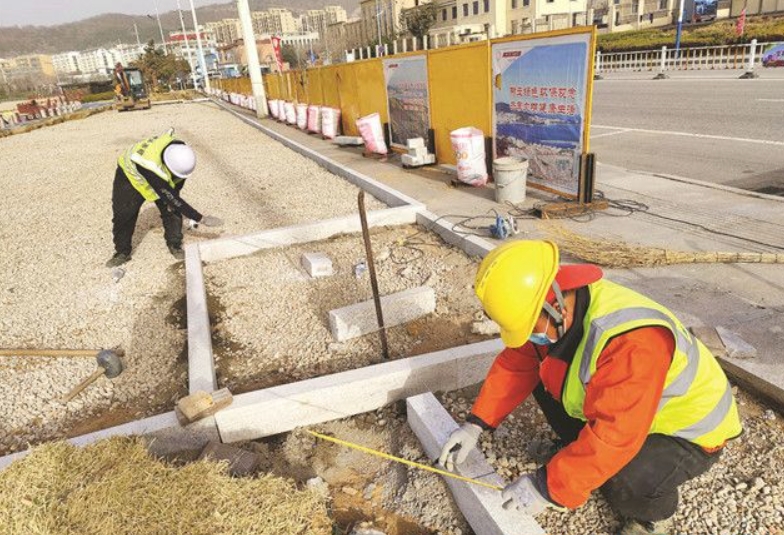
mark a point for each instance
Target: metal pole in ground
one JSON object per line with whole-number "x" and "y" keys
{"x": 187, "y": 45}
{"x": 372, "y": 270}
{"x": 254, "y": 69}
{"x": 680, "y": 28}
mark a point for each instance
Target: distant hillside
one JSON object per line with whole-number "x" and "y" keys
{"x": 106, "y": 30}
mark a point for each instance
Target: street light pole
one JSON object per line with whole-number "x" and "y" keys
{"x": 378, "y": 27}
{"x": 160, "y": 28}
{"x": 202, "y": 61}
{"x": 678, "y": 32}
{"x": 187, "y": 45}
{"x": 249, "y": 38}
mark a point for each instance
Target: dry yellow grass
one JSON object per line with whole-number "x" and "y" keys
{"x": 114, "y": 487}
{"x": 615, "y": 254}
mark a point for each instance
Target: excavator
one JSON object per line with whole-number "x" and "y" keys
{"x": 130, "y": 91}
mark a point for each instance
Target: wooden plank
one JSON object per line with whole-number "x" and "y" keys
{"x": 201, "y": 404}
{"x": 481, "y": 506}
{"x": 282, "y": 408}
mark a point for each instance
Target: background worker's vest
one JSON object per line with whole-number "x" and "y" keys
{"x": 148, "y": 154}
{"x": 697, "y": 402}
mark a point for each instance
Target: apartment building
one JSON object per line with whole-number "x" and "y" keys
{"x": 29, "y": 66}
{"x": 317, "y": 20}
{"x": 224, "y": 31}
{"x": 274, "y": 21}
{"x": 382, "y": 16}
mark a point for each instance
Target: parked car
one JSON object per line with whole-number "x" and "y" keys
{"x": 773, "y": 57}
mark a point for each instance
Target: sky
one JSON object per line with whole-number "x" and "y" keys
{"x": 50, "y": 12}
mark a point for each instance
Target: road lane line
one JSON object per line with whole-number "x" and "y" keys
{"x": 609, "y": 133}
{"x": 770, "y": 100}
{"x": 689, "y": 134}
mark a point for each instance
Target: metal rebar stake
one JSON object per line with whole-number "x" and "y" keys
{"x": 372, "y": 270}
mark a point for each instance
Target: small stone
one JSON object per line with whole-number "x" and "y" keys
{"x": 350, "y": 491}
{"x": 769, "y": 415}
{"x": 757, "y": 483}
{"x": 382, "y": 422}
{"x": 741, "y": 486}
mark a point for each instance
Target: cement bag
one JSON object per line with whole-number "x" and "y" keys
{"x": 252, "y": 103}
{"x": 273, "y": 108}
{"x": 302, "y": 116}
{"x": 291, "y": 113}
{"x": 372, "y": 133}
{"x": 469, "y": 146}
{"x": 314, "y": 119}
{"x": 330, "y": 122}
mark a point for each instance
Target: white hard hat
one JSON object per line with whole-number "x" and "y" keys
{"x": 180, "y": 159}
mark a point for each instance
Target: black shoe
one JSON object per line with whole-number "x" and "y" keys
{"x": 118, "y": 259}
{"x": 177, "y": 252}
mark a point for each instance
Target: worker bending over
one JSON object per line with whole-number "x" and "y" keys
{"x": 640, "y": 405}
{"x": 153, "y": 170}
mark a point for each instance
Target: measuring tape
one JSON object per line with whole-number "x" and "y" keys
{"x": 403, "y": 461}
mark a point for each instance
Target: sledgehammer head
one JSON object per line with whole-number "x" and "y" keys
{"x": 110, "y": 362}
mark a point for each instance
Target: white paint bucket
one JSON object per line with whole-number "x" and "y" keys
{"x": 510, "y": 176}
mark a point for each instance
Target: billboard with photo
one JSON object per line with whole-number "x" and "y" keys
{"x": 540, "y": 106}
{"x": 408, "y": 98}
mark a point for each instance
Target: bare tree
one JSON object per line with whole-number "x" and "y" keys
{"x": 418, "y": 20}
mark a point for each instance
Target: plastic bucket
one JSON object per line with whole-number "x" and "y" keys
{"x": 510, "y": 176}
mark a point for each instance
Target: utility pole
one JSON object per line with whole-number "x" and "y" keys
{"x": 249, "y": 38}
{"x": 378, "y": 28}
{"x": 678, "y": 33}
{"x": 160, "y": 28}
{"x": 202, "y": 61}
{"x": 187, "y": 45}
{"x": 136, "y": 29}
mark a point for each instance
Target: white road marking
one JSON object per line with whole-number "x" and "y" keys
{"x": 609, "y": 133}
{"x": 689, "y": 134}
{"x": 770, "y": 100}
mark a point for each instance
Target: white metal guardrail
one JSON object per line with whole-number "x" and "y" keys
{"x": 745, "y": 56}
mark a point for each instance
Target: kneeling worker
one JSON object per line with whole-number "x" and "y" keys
{"x": 640, "y": 405}
{"x": 153, "y": 170}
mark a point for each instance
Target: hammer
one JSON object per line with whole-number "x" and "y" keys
{"x": 109, "y": 364}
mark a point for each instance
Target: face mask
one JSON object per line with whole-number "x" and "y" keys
{"x": 541, "y": 339}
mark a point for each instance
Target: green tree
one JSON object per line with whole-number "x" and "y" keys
{"x": 161, "y": 69}
{"x": 290, "y": 55}
{"x": 418, "y": 20}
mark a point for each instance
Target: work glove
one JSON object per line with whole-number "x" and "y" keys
{"x": 525, "y": 496}
{"x": 462, "y": 441}
{"x": 211, "y": 221}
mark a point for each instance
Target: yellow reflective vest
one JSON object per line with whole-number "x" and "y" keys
{"x": 697, "y": 402}
{"x": 148, "y": 154}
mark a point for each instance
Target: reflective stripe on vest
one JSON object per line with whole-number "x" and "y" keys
{"x": 147, "y": 154}
{"x": 696, "y": 402}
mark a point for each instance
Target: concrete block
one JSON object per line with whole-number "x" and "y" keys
{"x": 418, "y": 152}
{"x": 182, "y": 443}
{"x": 317, "y": 264}
{"x": 349, "y": 141}
{"x": 481, "y": 506}
{"x": 201, "y": 366}
{"x": 223, "y": 248}
{"x": 282, "y": 408}
{"x": 414, "y": 143}
{"x": 736, "y": 346}
{"x": 360, "y": 319}
{"x": 242, "y": 463}
{"x": 710, "y": 337}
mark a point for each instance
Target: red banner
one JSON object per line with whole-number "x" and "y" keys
{"x": 741, "y": 24}
{"x": 278, "y": 55}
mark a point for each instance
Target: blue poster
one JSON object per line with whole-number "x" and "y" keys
{"x": 539, "y": 90}
{"x": 408, "y": 97}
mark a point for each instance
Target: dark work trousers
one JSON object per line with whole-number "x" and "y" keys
{"x": 126, "y": 203}
{"x": 646, "y": 489}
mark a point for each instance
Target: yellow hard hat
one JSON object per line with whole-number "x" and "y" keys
{"x": 512, "y": 283}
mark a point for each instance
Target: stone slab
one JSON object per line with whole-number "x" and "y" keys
{"x": 242, "y": 463}
{"x": 282, "y": 408}
{"x": 398, "y": 308}
{"x": 236, "y": 246}
{"x": 737, "y": 347}
{"x": 201, "y": 366}
{"x": 481, "y": 506}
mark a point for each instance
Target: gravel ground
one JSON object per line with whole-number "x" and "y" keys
{"x": 742, "y": 494}
{"x": 270, "y": 319}
{"x": 55, "y": 237}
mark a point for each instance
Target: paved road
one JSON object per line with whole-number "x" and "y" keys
{"x": 707, "y": 126}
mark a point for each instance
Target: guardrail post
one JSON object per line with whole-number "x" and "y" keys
{"x": 662, "y": 65}
{"x": 750, "y": 74}
{"x": 394, "y": 47}
{"x": 597, "y": 69}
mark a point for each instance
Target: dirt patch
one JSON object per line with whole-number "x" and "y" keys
{"x": 270, "y": 319}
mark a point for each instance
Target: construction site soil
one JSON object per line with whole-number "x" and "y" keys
{"x": 56, "y": 235}
{"x": 270, "y": 318}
